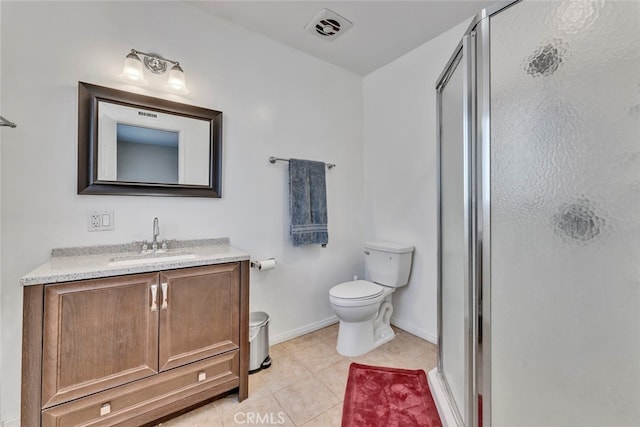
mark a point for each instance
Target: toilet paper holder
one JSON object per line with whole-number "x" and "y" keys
{"x": 265, "y": 264}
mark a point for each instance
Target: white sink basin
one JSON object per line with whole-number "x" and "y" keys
{"x": 149, "y": 259}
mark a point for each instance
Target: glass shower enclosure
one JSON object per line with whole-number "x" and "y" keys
{"x": 539, "y": 218}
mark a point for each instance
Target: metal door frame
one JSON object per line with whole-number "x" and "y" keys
{"x": 473, "y": 53}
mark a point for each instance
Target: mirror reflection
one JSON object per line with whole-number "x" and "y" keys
{"x": 146, "y": 154}
{"x": 144, "y": 146}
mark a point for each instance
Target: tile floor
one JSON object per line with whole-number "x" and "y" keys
{"x": 305, "y": 384}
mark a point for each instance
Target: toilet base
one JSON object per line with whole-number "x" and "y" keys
{"x": 358, "y": 338}
{"x": 354, "y": 338}
{"x": 384, "y": 334}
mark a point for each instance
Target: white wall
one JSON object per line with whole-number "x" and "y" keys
{"x": 400, "y": 170}
{"x": 1, "y": 132}
{"x": 276, "y": 101}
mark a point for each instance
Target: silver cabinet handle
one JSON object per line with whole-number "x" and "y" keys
{"x": 105, "y": 409}
{"x": 165, "y": 285}
{"x": 154, "y": 297}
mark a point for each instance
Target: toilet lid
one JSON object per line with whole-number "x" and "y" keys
{"x": 358, "y": 289}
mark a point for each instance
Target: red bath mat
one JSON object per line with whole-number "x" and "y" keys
{"x": 388, "y": 397}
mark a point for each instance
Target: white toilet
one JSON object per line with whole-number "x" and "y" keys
{"x": 364, "y": 306}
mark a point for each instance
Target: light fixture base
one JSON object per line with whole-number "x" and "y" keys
{"x": 155, "y": 63}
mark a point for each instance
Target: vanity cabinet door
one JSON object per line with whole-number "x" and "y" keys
{"x": 98, "y": 334}
{"x": 199, "y": 313}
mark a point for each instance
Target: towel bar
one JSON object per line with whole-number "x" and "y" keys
{"x": 5, "y": 122}
{"x": 273, "y": 159}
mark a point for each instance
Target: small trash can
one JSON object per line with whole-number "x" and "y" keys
{"x": 258, "y": 341}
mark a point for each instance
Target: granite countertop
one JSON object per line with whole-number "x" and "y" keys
{"x": 69, "y": 264}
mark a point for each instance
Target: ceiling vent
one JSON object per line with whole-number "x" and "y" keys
{"x": 328, "y": 25}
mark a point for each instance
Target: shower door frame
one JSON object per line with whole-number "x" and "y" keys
{"x": 458, "y": 59}
{"x": 474, "y": 51}
{"x": 464, "y": 56}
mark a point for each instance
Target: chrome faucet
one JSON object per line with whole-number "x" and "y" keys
{"x": 156, "y": 233}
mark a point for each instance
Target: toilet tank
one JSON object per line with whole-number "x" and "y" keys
{"x": 388, "y": 263}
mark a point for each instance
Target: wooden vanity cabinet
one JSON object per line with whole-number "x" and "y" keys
{"x": 127, "y": 350}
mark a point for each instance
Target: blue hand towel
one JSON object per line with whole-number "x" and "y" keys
{"x": 307, "y": 202}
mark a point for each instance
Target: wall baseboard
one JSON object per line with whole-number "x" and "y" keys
{"x": 312, "y": 327}
{"x": 11, "y": 423}
{"x": 277, "y": 339}
{"x": 433, "y": 339}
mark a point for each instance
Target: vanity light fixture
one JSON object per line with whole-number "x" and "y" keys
{"x": 132, "y": 70}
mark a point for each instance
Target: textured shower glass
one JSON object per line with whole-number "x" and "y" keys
{"x": 565, "y": 214}
{"x": 452, "y": 235}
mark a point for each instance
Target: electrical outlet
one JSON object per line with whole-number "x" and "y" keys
{"x": 94, "y": 221}
{"x": 100, "y": 220}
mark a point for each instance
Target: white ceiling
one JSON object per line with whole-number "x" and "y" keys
{"x": 382, "y": 30}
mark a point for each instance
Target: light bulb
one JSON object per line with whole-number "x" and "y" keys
{"x": 132, "y": 70}
{"x": 176, "y": 82}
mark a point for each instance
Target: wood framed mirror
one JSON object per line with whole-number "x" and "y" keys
{"x": 137, "y": 145}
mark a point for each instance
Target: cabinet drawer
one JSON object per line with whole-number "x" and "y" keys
{"x": 152, "y": 397}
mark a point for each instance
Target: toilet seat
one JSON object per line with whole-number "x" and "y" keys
{"x": 359, "y": 290}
